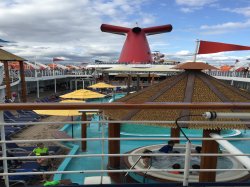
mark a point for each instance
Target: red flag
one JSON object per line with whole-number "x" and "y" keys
{"x": 207, "y": 47}
{"x": 57, "y": 59}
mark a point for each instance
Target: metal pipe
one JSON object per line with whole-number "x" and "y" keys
{"x": 4, "y": 151}
{"x": 123, "y": 139}
{"x": 132, "y": 167}
{"x": 113, "y": 171}
{"x": 121, "y": 105}
{"x": 120, "y": 121}
{"x": 226, "y": 115}
{"x": 102, "y": 162}
{"x": 244, "y": 160}
{"x": 187, "y": 163}
{"x": 114, "y": 155}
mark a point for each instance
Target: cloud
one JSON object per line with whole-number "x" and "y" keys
{"x": 67, "y": 28}
{"x": 220, "y": 58}
{"x": 244, "y": 10}
{"x": 188, "y": 10}
{"x": 184, "y": 53}
{"x": 214, "y": 59}
{"x": 224, "y": 27}
{"x": 194, "y": 3}
{"x": 147, "y": 19}
{"x": 188, "y": 6}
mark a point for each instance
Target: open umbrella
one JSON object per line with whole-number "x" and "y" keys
{"x": 82, "y": 94}
{"x": 102, "y": 85}
{"x": 62, "y": 112}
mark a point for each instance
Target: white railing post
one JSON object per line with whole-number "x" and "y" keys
{"x": 103, "y": 141}
{"x": 187, "y": 163}
{"x": 4, "y": 150}
{"x": 233, "y": 75}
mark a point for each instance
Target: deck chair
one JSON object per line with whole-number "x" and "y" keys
{"x": 24, "y": 179}
{"x": 28, "y": 114}
{"x": 8, "y": 116}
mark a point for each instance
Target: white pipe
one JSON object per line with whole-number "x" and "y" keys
{"x": 122, "y": 139}
{"x": 112, "y": 171}
{"x": 244, "y": 160}
{"x": 136, "y": 122}
{"x": 214, "y": 115}
{"x": 106, "y": 155}
{"x": 187, "y": 163}
{"x": 103, "y": 133}
{"x": 4, "y": 151}
{"x": 196, "y": 49}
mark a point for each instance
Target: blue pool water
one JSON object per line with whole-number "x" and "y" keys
{"x": 94, "y": 147}
{"x": 146, "y": 130}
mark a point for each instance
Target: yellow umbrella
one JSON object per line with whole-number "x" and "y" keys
{"x": 102, "y": 85}
{"x": 82, "y": 94}
{"x": 62, "y": 112}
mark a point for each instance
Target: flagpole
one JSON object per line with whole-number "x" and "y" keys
{"x": 196, "y": 49}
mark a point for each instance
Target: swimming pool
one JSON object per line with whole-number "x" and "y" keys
{"x": 151, "y": 131}
{"x": 166, "y": 162}
{"x": 94, "y": 147}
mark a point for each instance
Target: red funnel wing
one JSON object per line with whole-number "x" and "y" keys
{"x": 114, "y": 29}
{"x": 158, "y": 29}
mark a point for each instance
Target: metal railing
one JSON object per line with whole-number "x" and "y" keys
{"x": 14, "y": 77}
{"x": 59, "y": 72}
{"x": 186, "y": 170}
{"x": 229, "y": 74}
{"x": 132, "y": 167}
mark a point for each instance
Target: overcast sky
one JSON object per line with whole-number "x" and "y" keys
{"x": 71, "y": 28}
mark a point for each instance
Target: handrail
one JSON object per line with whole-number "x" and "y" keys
{"x": 115, "y": 171}
{"x": 109, "y": 106}
{"x": 132, "y": 167}
{"x": 149, "y": 167}
{"x": 121, "y": 105}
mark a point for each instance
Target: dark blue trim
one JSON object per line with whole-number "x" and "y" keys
{"x": 204, "y": 184}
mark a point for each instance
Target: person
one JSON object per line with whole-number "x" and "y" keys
{"x": 198, "y": 149}
{"x": 44, "y": 164}
{"x": 167, "y": 148}
{"x": 14, "y": 95}
{"x": 40, "y": 149}
{"x": 63, "y": 182}
{"x": 146, "y": 159}
{"x": 195, "y": 166}
{"x": 245, "y": 70}
{"x": 7, "y": 100}
{"x": 176, "y": 166}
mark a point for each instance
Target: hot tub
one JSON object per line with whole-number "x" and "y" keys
{"x": 166, "y": 162}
